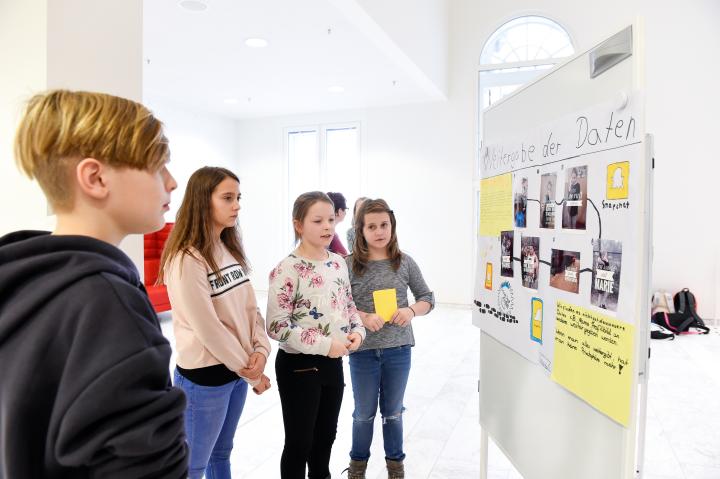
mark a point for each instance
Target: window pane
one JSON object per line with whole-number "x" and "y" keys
{"x": 343, "y": 169}
{"x": 526, "y": 38}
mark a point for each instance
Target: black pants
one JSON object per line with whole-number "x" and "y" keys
{"x": 311, "y": 390}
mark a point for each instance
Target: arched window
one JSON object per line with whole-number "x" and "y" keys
{"x": 519, "y": 51}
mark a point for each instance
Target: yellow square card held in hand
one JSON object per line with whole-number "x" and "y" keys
{"x": 385, "y": 303}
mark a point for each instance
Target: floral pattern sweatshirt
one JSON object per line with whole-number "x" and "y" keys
{"x": 310, "y": 304}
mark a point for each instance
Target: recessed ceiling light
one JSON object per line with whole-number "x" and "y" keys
{"x": 256, "y": 42}
{"x": 336, "y": 89}
{"x": 230, "y": 101}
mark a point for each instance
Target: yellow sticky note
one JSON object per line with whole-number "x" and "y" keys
{"x": 496, "y": 205}
{"x": 594, "y": 359}
{"x": 618, "y": 175}
{"x": 385, "y": 303}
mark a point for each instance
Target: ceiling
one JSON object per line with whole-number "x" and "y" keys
{"x": 199, "y": 60}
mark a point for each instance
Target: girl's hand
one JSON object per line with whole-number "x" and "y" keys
{"x": 255, "y": 367}
{"x": 402, "y": 317}
{"x": 355, "y": 341}
{"x": 372, "y": 322}
{"x": 337, "y": 349}
{"x": 263, "y": 386}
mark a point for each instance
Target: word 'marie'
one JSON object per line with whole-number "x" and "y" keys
{"x": 617, "y": 130}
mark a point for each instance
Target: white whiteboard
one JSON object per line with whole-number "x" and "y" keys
{"x": 546, "y": 431}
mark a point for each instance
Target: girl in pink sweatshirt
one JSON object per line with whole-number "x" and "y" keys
{"x": 219, "y": 332}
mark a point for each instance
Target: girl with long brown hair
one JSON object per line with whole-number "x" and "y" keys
{"x": 219, "y": 332}
{"x": 380, "y": 368}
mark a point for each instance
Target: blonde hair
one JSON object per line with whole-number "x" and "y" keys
{"x": 59, "y": 128}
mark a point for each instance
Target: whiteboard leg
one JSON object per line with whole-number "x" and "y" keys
{"x": 483, "y": 453}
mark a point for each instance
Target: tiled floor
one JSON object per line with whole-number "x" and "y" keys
{"x": 442, "y": 435}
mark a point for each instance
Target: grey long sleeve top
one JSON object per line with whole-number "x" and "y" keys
{"x": 380, "y": 275}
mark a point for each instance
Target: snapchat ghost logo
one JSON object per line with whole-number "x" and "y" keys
{"x": 617, "y": 180}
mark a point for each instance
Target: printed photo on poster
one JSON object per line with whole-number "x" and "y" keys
{"x": 607, "y": 256}
{"x": 520, "y": 202}
{"x": 506, "y": 253}
{"x": 530, "y": 261}
{"x": 575, "y": 198}
{"x": 565, "y": 270}
{"x": 547, "y": 200}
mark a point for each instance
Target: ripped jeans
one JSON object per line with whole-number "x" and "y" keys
{"x": 379, "y": 376}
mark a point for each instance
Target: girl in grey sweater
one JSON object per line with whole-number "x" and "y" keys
{"x": 380, "y": 368}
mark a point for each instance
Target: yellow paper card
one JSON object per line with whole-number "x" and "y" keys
{"x": 385, "y": 303}
{"x": 496, "y": 205}
{"x": 594, "y": 359}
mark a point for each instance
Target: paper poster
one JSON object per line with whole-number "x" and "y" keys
{"x": 618, "y": 175}
{"x": 593, "y": 359}
{"x": 385, "y": 303}
{"x": 488, "y": 276}
{"x": 520, "y": 202}
{"x": 548, "y": 183}
{"x": 575, "y": 199}
{"x": 607, "y": 256}
{"x": 530, "y": 261}
{"x": 565, "y": 270}
{"x": 506, "y": 253}
{"x": 495, "y": 200}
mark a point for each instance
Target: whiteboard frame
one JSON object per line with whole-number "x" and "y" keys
{"x": 546, "y": 431}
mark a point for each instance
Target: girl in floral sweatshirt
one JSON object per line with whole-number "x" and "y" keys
{"x": 312, "y": 315}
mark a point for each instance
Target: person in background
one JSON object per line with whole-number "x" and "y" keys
{"x": 219, "y": 332}
{"x": 312, "y": 315}
{"x": 351, "y": 231}
{"x": 341, "y": 208}
{"x": 380, "y": 368}
{"x": 85, "y": 389}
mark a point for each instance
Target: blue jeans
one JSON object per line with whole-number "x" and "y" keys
{"x": 211, "y": 417}
{"x": 379, "y": 376}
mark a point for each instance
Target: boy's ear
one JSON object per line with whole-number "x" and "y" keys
{"x": 91, "y": 176}
{"x": 297, "y": 225}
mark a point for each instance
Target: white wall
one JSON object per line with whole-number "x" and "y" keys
{"x": 196, "y": 140}
{"x": 24, "y": 72}
{"x": 421, "y": 157}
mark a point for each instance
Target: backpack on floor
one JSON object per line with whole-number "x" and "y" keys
{"x": 685, "y": 319}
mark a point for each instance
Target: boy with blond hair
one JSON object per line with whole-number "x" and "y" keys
{"x": 85, "y": 389}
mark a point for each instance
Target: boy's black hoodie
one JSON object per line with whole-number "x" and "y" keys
{"x": 84, "y": 381}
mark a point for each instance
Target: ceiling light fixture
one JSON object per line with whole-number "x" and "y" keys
{"x": 256, "y": 42}
{"x": 193, "y": 5}
{"x": 336, "y": 89}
